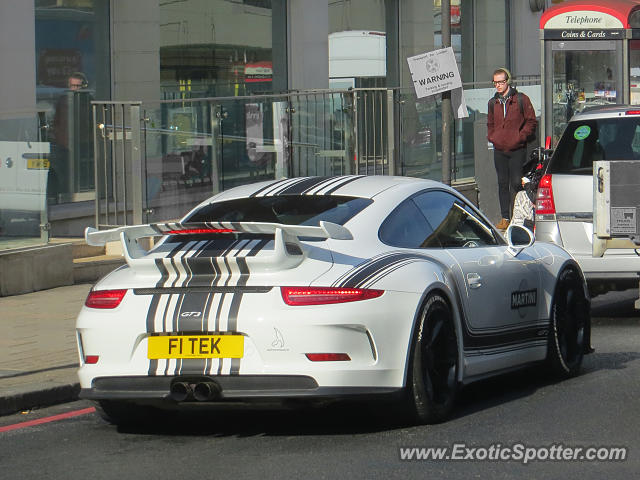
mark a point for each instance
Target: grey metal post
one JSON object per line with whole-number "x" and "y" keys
{"x": 346, "y": 121}
{"x": 544, "y": 86}
{"x": 95, "y": 165}
{"x": 124, "y": 167}
{"x": 356, "y": 140}
{"x": 391, "y": 159}
{"x": 136, "y": 165}
{"x": 216, "y": 115}
{"x": 446, "y": 99}
{"x": 625, "y": 80}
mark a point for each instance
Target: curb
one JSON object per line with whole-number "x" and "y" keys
{"x": 39, "y": 398}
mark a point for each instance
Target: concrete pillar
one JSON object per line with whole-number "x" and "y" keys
{"x": 308, "y": 44}
{"x": 18, "y": 72}
{"x": 135, "y": 50}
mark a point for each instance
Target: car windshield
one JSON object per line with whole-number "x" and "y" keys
{"x": 585, "y": 141}
{"x": 286, "y": 209}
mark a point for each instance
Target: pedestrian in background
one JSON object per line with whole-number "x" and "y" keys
{"x": 511, "y": 123}
{"x": 63, "y": 135}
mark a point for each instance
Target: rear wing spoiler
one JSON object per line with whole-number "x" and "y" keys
{"x": 282, "y": 257}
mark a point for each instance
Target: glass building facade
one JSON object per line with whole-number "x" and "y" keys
{"x": 170, "y": 54}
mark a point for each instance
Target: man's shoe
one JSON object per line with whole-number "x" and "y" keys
{"x": 502, "y": 224}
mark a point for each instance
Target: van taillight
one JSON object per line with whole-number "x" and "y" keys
{"x": 544, "y": 200}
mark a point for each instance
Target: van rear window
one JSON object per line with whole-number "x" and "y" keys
{"x": 586, "y": 141}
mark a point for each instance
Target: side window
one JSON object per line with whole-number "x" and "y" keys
{"x": 454, "y": 223}
{"x": 620, "y": 139}
{"x": 635, "y": 143}
{"x": 406, "y": 227}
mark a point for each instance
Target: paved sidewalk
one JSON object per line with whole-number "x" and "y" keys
{"x": 38, "y": 356}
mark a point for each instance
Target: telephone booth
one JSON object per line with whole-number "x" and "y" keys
{"x": 590, "y": 57}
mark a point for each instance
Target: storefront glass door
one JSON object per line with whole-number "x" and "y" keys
{"x": 583, "y": 74}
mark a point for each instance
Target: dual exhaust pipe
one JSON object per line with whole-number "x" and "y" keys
{"x": 204, "y": 391}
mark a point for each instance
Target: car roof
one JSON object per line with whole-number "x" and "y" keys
{"x": 348, "y": 185}
{"x": 609, "y": 111}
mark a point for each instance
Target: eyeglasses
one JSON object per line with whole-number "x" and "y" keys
{"x": 499, "y": 82}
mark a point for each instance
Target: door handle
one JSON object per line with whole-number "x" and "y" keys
{"x": 474, "y": 280}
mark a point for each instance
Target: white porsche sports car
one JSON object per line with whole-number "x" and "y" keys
{"x": 324, "y": 288}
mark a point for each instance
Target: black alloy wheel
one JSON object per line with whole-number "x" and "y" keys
{"x": 568, "y": 326}
{"x": 434, "y": 365}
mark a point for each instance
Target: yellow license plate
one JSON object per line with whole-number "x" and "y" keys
{"x": 37, "y": 163}
{"x": 195, "y": 346}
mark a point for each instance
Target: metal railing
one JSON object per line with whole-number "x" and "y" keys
{"x": 155, "y": 161}
{"x": 117, "y": 163}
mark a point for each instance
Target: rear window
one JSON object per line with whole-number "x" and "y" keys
{"x": 286, "y": 209}
{"x": 586, "y": 141}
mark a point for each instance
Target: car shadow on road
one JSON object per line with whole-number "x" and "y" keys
{"x": 339, "y": 418}
{"x": 502, "y": 389}
{"x": 363, "y": 417}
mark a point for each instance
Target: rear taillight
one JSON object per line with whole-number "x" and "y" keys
{"x": 197, "y": 231}
{"x": 325, "y": 295}
{"x": 328, "y": 357}
{"x": 544, "y": 200}
{"x": 104, "y": 298}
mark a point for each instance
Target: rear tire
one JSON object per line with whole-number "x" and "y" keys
{"x": 124, "y": 413}
{"x": 568, "y": 329}
{"x": 433, "y": 370}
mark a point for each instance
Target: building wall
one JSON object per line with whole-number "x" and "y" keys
{"x": 308, "y": 44}
{"x": 347, "y": 15}
{"x": 525, "y": 39}
{"x": 135, "y": 50}
{"x": 214, "y": 21}
{"x": 17, "y": 75}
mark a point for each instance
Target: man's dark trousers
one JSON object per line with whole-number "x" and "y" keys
{"x": 509, "y": 170}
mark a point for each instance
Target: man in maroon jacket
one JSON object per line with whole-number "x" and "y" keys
{"x": 511, "y": 123}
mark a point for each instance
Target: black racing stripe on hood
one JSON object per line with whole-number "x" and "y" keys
{"x": 267, "y": 187}
{"x": 233, "y": 311}
{"x": 299, "y": 187}
{"x": 336, "y": 187}
{"x": 164, "y": 273}
{"x": 151, "y": 315}
{"x": 218, "y": 312}
{"x": 258, "y": 247}
{"x": 483, "y": 341}
{"x": 320, "y": 185}
{"x": 370, "y": 268}
{"x": 233, "y": 327}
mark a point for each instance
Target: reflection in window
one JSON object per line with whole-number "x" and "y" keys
{"x": 217, "y": 48}
{"x": 454, "y": 223}
{"x": 586, "y": 141}
{"x": 406, "y": 227}
{"x": 72, "y": 68}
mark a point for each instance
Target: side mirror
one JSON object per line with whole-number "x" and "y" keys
{"x": 518, "y": 238}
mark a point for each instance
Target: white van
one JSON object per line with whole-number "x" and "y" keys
{"x": 24, "y": 168}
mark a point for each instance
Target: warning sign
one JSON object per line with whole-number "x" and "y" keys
{"x": 623, "y": 220}
{"x": 434, "y": 72}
